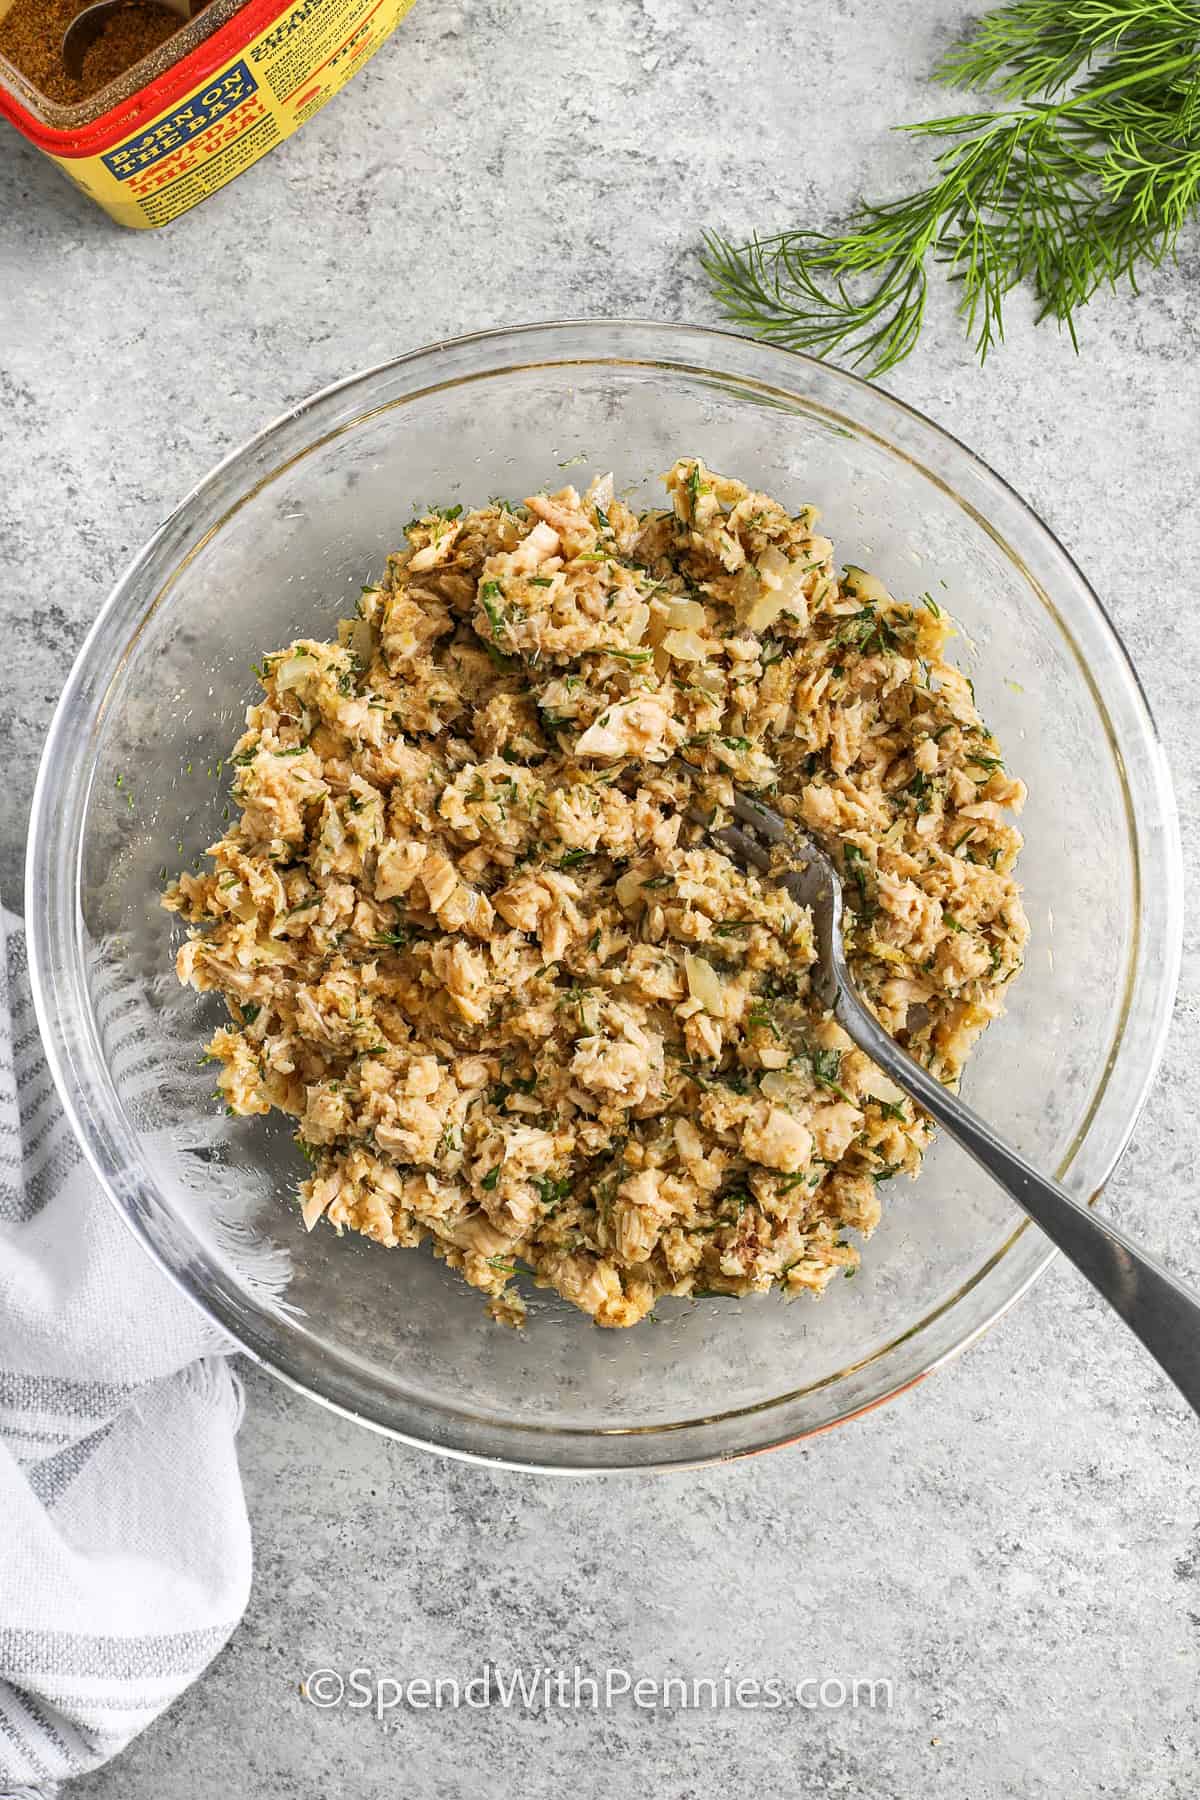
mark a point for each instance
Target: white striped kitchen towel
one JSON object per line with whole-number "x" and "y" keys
{"x": 125, "y": 1560}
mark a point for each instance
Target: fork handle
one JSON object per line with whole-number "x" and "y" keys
{"x": 1157, "y": 1309}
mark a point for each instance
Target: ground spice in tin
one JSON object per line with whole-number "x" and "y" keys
{"x": 31, "y": 34}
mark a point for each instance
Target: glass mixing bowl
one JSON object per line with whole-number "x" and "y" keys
{"x": 275, "y": 544}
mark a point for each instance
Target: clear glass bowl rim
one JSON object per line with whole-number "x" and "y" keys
{"x": 54, "y": 922}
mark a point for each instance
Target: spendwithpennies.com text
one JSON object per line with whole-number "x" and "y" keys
{"x": 536, "y": 1688}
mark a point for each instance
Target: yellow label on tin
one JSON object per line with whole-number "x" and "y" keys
{"x": 272, "y": 87}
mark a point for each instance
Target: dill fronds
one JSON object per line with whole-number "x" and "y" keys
{"x": 1089, "y": 177}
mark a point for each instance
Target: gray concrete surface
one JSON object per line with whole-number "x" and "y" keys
{"x": 1016, "y": 1544}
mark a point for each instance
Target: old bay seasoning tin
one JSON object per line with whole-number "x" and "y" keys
{"x": 215, "y": 110}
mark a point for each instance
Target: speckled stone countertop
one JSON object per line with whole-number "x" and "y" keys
{"x": 1016, "y": 1544}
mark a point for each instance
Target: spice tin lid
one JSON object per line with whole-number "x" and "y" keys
{"x": 191, "y": 55}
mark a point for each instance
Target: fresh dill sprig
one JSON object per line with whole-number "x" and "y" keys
{"x": 1067, "y": 190}
{"x": 1037, "y": 47}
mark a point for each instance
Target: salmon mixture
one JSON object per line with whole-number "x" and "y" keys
{"x": 475, "y": 939}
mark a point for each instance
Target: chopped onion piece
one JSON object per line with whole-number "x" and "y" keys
{"x": 313, "y": 1209}
{"x": 362, "y": 643}
{"x": 291, "y": 672}
{"x": 782, "y": 591}
{"x": 685, "y": 646}
{"x": 765, "y": 610}
{"x": 772, "y": 566}
{"x": 874, "y": 1082}
{"x": 704, "y": 985}
{"x": 687, "y": 614}
{"x": 864, "y": 586}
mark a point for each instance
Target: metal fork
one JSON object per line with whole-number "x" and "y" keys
{"x": 1157, "y": 1309}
